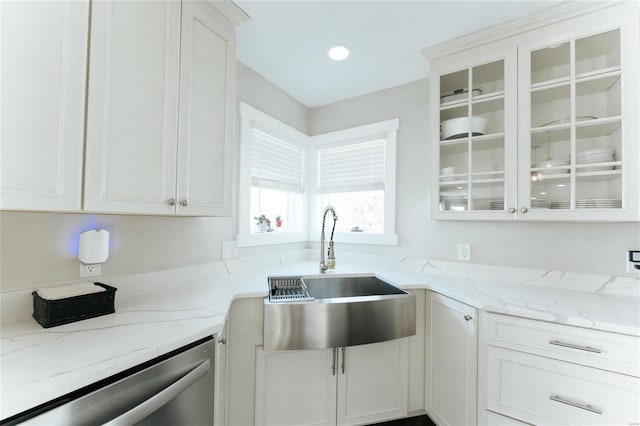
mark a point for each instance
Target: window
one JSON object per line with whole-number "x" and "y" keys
{"x": 351, "y": 178}
{"x": 287, "y": 178}
{"x": 273, "y": 200}
{"x": 356, "y": 175}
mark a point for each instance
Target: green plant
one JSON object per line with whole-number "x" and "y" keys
{"x": 262, "y": 219}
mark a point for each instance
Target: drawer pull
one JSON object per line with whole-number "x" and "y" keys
{"x": 572, "y": 346}
{"x": 587, "y": 407}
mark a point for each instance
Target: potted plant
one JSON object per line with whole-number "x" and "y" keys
{"x": 263, "y": 224}
{"x": 278, "y": 221}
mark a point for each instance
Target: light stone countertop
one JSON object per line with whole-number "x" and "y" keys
{"x": 162, "y": 311}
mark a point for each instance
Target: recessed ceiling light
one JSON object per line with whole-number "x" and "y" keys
{"x": 339, "y": 52}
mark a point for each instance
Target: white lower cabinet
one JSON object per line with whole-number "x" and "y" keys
{"x": 545, "y": 391}
{"x": 451, "y": 362}
{"x": 344, "y": 386}
{"x": 547, "y": 373}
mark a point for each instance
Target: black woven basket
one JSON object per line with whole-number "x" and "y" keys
{"x": 50, "y": 313}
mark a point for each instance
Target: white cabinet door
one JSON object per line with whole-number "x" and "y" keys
{"x": 578, "y": 119}
{"x": 207, "y": 82}
{"x": 541, "y": 390}
{"x": 452, "y": 349}
{"x": 44, "y": 59}
{"x": 132, "y": 110}
{"x": 372, "y": 382}
{"x": 220, "y": 390}
{"x": 295, "y": 387}
{"x": 474, "y": 172}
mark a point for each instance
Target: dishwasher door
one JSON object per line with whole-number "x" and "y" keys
{"x": 173, "y": 391}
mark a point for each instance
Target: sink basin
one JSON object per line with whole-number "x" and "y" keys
{"x": 320, "y": 311}
{"x": 348, "y": 286}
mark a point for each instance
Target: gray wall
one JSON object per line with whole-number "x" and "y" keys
{"x": 39, "y": 249}
{"x": 578, "y": 247}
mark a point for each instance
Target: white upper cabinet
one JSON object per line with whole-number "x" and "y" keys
{"x": 476, "y": 167}
{"x": 44, "y": 50}
{"x": 160, "y": 117}
{"x": 207, "y": 108}
{"x": 132, "y": 114}
{"x": 578, "y": 134}
{"x": 554, "y": 110}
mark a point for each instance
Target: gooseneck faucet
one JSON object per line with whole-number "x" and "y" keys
{"x": 331, "y": 256}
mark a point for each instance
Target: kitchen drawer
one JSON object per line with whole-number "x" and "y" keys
{"x": 594, "y": 348}
{"x": 544, "y": 391}
{"x": 494, "y": 419}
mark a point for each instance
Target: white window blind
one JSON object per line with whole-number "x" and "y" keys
{"x": 351, "y": 168}
{"x": 275, "y": 163}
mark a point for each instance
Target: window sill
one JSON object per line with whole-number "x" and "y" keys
{"x": 270, "y": 238}
{"x": 364, "y": 238}
{"x": 361, "y": 238}
{"x": 267, "y": 238}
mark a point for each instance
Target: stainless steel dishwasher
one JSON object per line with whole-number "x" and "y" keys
{"x": 175, "y": 389}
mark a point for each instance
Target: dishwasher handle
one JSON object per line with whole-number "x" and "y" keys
{"x": 160, "y": 399}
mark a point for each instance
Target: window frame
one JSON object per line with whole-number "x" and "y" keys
{"x": 251, "y": 118}
{"x": 386, "y": 130}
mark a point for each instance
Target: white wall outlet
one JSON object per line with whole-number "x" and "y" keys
{"x": 89, "y": 270}
{"x": 464, "y": 252}
{"x": 229, "y": 249}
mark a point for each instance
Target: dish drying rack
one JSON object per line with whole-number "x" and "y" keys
{"x": 288, "y": 289}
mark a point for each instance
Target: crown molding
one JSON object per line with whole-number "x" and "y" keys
{"x": 552, "y": 15}
{"x": 231, "y": 11}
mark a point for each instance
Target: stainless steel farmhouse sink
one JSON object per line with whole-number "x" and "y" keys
{"x": 316, "y": 312}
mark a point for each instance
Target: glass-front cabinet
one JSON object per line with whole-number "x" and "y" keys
{"x": 475, "y": 137}
{"x": 578, "y": 137}
{"x": 543, "y": 126}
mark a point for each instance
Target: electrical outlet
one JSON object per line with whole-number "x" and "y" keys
{"x": 89, "y": 270}
{"x": 464, "y": 252}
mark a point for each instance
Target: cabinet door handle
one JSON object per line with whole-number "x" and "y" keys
{"x": 512, "y": 210}
{"x": 184, "y": 202}
{"x": 587, "y": 407}
{"x": 171, "y": 201}
{"x": 468, "y": 317}
{"x": 343, "y": 360}
{"x": 572, "y": 346}
{"x": 333, "y": 361}
{"x": 524, "y": 210}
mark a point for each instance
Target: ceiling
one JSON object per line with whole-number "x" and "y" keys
{"x": 287, "y": 41}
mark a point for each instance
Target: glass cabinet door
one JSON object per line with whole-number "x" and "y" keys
{"x": 574, "y": 126}
{"x": 472, "y": 139}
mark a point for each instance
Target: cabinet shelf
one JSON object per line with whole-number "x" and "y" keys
{"x": 565, "y": 81}
{"x": 597, "y": 74}
{"x": 612, "y": 123}
{"x": 551, "y": 84}
{"x": 602, "y": 175}
{"x": 453, "y": 104}
{"x": 480, "y": 138}
{"x": 487, "y": 181}
{"x": 599, "y": 176}
{"x": 487, "y": 97}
